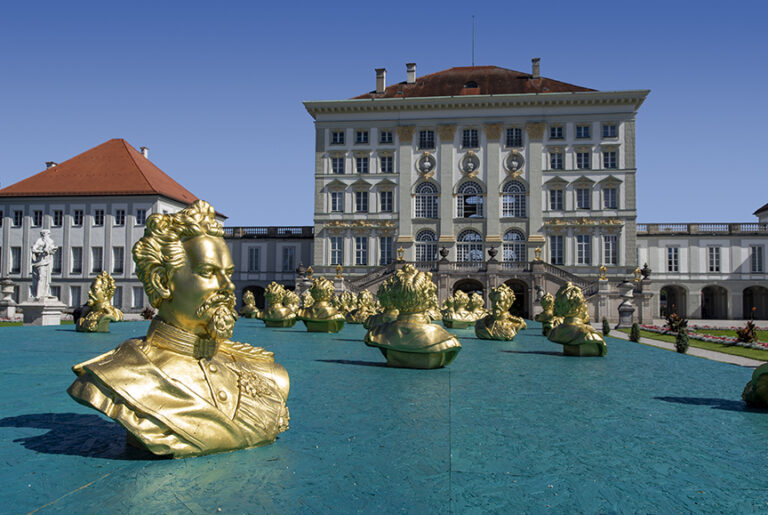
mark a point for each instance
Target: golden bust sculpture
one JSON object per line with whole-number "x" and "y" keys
{"x": 365, "y": 308}
{"x": 100, "y": 311}
{"x": 249, "y": 306}
{"x": 344, "y": 302}
{"x": 476, "y": 306}
{"x": 291, "y": 301}
{"x": 321, "y": 317}
{"x": 388, "y": 310}
{"x": 500, "y": 324}
{"x": 455, "y": 312}
{"x": 276, "y": 314}
{"x": 547, "y": 316}
{"x": 577, "y": 337}
{"x": 412, "y": 340}
{"x": 755, "y": 393}
{"x": 185, "y": 389}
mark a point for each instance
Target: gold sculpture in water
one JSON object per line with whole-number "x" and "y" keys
{"x": 100, "y": 311}
{"x": 577, "y": 337}
{"x": 388, "y": 310}
{"x": 249, "y": 306}
{"x": 455, "y": 312}
{"x": 186, "y": 389}
{"x": 476, "y": 306}
{"x": 276, "y": 314}
{"x": 365, "y": 308}
{"x": 306, "y": 300}
{"x": 500, "y": 324}
{"x": 291, "y": 301}
{"x": 412, "y": 341}
{"x": 433, "y": 311}
{"x": 756, "y": 391}
{"x": 344, "y": 302}
{"x": 321, "y": 317}
{"x": 547, "y": 316}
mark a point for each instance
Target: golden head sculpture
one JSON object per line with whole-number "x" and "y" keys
{"x": 99, "y": 311}
{"x": 277, "y": 314}
{"x": 365, "y": 308}
{"x": 755, "y": 392}
{"x": 185, "y": 389}
{"x": 387, "y": 303}
{"x": 291, "y": 301}
{"x": 476, "y": 306}
{"x": 249, "y": 306}
{"x": 500, "y": 324}
{"x": 411, "y": 340}
{"x": 306, "y": 299}
{"x": 456, "y": 315}
{"x": 547, "y": 316}
{"x": 321, "y": 316}
{"x": 577, "y": 337}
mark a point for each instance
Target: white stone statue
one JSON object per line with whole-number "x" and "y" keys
{"x": 42, "y": 262}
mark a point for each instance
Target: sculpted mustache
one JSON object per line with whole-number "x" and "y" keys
{"x": 221, "y": 298}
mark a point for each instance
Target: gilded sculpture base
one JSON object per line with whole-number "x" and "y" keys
{"x": 95, "y": 324}
{"x": 287, "y": 322}
{"x": 422, "y": 361}
{"x": 577, "y": 337}
{"x": 458, "y": 324}
{"x": 324, "y": 326}
{"x": 504, "y": 329}
{"x": 247, "y": 313}
{"x": 756, "y": 391}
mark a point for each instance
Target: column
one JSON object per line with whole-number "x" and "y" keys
{"x": 535, "y": 133}
{"x": 406, "y": 178}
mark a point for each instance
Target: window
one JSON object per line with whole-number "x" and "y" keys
{"x": 469, "y": 138}
{"x": 610, "y": 249}
{"x": 583, "y": 132}
{"x": 337, "y": 202}
{"x": 56, "y": 263}
{"x": 609, "y": 160}
{"x": 18, "y": 218}
{"x": 253, "y": 259}
{"x": 361, "y": 250}
{"x": 756, "y": 259}
{"x": 469, "y": 201}
{"x": 426, "y": 139}
{"x": 556, "y": 132}
{"x": 117, "y": 298}
{"x": 56, "y": 291}
{"x": 469, "y": 246}
{"x": 556, "y": 160}
{"x": 337, "y": 165}
{"x": 513, "y": 200}
{"x": 673, "y": 259}
{"x": 514, "y": 137}
{"x": 610, "y": 200}
{"x": 361, "y": 201}
{"x": 337, "y": 137}
{"x": 361, "y": 164}
{"x": 385, "y": 198}
{"x": 385, "y": 250}
{"x": 77, "y": 217}
{"x": 426, "y": 246}
{"x": 141, "y": 216}
{"x": 361, "y": 136}
{"x": 385, "y": 136}
{"x": 583, "y": 249}
{"x": 556, "y": 200}
{"x": 337, "y": 250}
{"x": 120, "y": 217}
{"x": 118, "y": 259}
{"x": 387, "y": 164}
{"x": 138, "y": 297}
{"x": 289, "y": 259}
{"x": 98, "y": 217}
{"x": 2, "y": 214}
{"x": 58, "y": 218}
{"x": 583, "y": 198}
{"x": 426, "y": 201}
{"x": 15, "y": 260}
{"x": 583, "y": 160}
{"x": 610, "y": 130}
{"x": 97, "y": 259}
{"x": 37, "y": 218}
{"x": 75, "y": 296}
{"x": 713, "y": 259}
{"x": 77, "y": 260}
{"x": 514, "y": 246}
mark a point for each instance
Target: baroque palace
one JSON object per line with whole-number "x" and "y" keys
{"x": 482, "y": 175}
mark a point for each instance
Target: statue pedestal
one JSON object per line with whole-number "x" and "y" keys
{"x": 7, "y": 304}
{"x": 45, "y": 311}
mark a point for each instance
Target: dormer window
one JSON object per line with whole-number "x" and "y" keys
{"x": 471, "y": 84}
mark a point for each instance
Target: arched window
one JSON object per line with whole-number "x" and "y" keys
{"x": 513, "y": 200}
{"x": 514, "y": 246}
{"x": 469, "y": 246}
{"x": 426, "y": 246}
{"x": 469, "y": 201}
{"x": 426, "y": 201}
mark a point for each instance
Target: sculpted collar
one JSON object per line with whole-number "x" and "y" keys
{"x": 166, "y": 336}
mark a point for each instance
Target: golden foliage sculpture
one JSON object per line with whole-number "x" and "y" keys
{"x": 277, "y": 314}
{"x": 365, "y": 308}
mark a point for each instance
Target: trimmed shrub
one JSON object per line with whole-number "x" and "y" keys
{"x": 606, "y": 327}
{"x": 634, "y": 333}
{"x": 681, "y": 342}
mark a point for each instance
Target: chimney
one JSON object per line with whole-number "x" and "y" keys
{"x": 50, "y": 164}
{"x": 381, "y": 80}
{"x": 536, "y": 74}
{"x": 144, "y": 151}
{"x": 410, "y": 68}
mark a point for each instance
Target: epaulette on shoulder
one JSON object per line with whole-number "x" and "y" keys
{"x": 245, "y": 350}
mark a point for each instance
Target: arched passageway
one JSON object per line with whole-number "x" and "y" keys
{"x": 672, "y": 299}
{"x": 755, "y": 297}
{"x": 469, "y": 286}
{"x": 520, "y": 306}
{"x": 714, "y": 303}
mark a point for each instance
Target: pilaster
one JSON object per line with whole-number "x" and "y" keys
{"x": 493, "y": 177}
{"x": 445, "y": 176}
{"x": 535, "y": 133}
{"x": 405, "y": 169}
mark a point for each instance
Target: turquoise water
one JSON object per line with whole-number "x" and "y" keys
{"x": 510, "y": 427}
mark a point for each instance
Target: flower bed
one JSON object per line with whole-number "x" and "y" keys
{"x": 725, "y": 340}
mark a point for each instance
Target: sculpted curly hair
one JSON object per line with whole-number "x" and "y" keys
{"x": 569, "y": 301}
{"x": 159, "y": 253}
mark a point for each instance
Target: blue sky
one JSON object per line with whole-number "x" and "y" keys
{"x": 215, "y": 89}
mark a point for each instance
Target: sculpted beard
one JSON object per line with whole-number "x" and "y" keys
{"x": 219, "y": 310}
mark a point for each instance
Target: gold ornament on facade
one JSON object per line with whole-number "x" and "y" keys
{"x": 249, "y": 306}
{"x": 535, "y": 130}
{"x": 186, "y": 389}
{"x": 500, "y": 324}
{"x": 99, "y": 312}
{"x": 603, "y": 276}
{"x": 638, "y": 275}
{"x": 575, "y": 334}
{"x": 310, "y": 271}
{"x": 537, "y": 254}
{"x": 405, "y": 132}
{"x": 400, "y": 254}
{"x": 493, "y": 131}
{"x": 339, "y": 270}
{"x": 412, "y": 341}
{"x": 446, "y": 132}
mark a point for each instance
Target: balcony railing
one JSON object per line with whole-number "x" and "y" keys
{"x": 301, "y": 231}
{"x": 706, "y": 228}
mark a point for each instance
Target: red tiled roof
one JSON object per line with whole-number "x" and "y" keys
{"x": 762, "y": 209}
{"x": 112, "y": 168}
{"x": 490, "y": 80}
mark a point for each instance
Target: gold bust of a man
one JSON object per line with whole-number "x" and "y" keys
{"x": 186, "y": 389}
